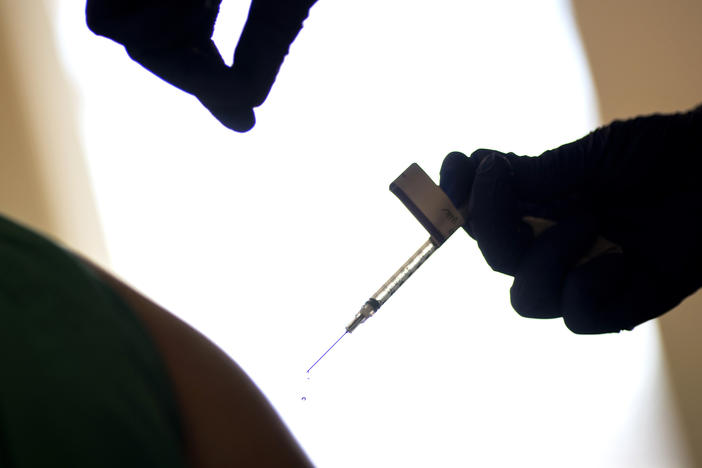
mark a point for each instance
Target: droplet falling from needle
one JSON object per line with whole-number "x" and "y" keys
{"x": 325, "y": 352}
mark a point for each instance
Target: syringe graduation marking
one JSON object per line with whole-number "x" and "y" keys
{"x": 405, "y": 271}
{"x": 393, "y": 284}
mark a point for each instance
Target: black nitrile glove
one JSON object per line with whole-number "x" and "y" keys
{"x": 172, "y": 39}
{"x": 636, "y": 183}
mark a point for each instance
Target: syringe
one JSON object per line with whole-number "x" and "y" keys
{"x": 433, "y": 209}
{"x": 436, "y": 213}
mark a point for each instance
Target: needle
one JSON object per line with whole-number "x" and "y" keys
{"x": 325, "y": 353}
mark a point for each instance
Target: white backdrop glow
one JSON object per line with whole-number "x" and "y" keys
{"x": 268, "y": 242}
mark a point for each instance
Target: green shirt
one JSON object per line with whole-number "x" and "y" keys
{"x": 81, "y": 381}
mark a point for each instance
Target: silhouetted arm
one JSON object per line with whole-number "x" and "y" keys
{"x": 226, "y": 419}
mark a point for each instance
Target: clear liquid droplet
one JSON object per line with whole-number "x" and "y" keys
{"x": 307, "y": 380}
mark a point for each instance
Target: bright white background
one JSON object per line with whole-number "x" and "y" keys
{"x": 269, "y": 242}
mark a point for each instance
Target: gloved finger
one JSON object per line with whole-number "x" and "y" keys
{"x": 610, "y": 294}
{"x": 456, "y": 177}
{"x": 172, "y": 40}
{"x": 270, "y": 28}
{"x": 155, "y": 24}
{"x": 538, "y": 283}
{"x": 493, "y": 215}
{"x": 198, "y": 69}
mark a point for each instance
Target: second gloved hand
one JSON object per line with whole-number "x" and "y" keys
{"x": 172, "y": 39}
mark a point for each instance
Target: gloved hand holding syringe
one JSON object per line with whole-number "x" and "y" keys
{"x": 433, "y": 209}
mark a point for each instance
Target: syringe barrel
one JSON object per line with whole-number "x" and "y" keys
{"x": 404, "y": 272}
{"x": 396, "y": 280}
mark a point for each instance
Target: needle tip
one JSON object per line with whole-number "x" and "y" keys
{"x": 325, "y": 353}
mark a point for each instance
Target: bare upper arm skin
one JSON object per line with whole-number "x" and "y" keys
{"x": 226, "y": 420}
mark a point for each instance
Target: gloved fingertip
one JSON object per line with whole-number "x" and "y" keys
{"x": 481, "y": 153}
{"x": 456, "y": 177}
{"x": 454, "y": 162}
{"x": 235, "y": 118}
{"x": 494, "y": 164}
{"x": 529, "y": 305}
{"x": 595, "y": 296}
